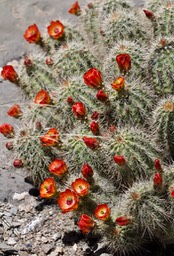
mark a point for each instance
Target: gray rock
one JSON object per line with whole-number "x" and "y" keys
{"x": 11, "y": 241}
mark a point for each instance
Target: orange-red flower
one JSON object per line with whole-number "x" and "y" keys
{"x": 56, "y": 29}
{"x": 32, "y": 34}
{"x": 101, "y": 95}
{"x": 124, "y": 61}
{"x": 87, "y": 171}
{"x": 157, "y": 180}
{"x": 75, "y": 9}
{"x": 94, "y": 127}
{"x": 102, "y": 212}
{"x": 48, "y": 188}
{"x": 68, "y": 201}
{"x": 79, "y": 109}
{"x": 15, "y": 111}
{"x": 118, "y": 84}
{"x": 7, "y": 130}
{"x": 120, "y": 160}
{"x": 81, "y": 187}
{"x": 51, "y": 138}
{"x": 42, "y": 97}
{"x": 86, "y": 224}
{"x": 8, "y": 73}
{"x": 93, "y": 78}
{"x": 122, "y": 221}
{"x": 58, "y": 167}
{"x": 91, "y": 143}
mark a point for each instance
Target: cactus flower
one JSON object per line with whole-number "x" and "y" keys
{"x": 15, "y": 111}
{"x": 93, "y": 78}
{"x": 7, "y": 130}
{"x": 48, "y": 188}
{"x": 91, "y": 143}
{"x": 58, "y": 167}
{"x": 122, "y": 221}
{"x": 8, "y": 73}
{"x": 86, "y": 223}
{"x": 124, "y": 62}
{"x": 79, "y": 109}
{"x": 157, "y": 179}
{"x": 68, "y": 201}
{"x": 118, "y": 84}
{"x": 32, "y": 34}
{"x": 94, "y": 127}
{"x": 51, "y": 138}
{"x": 75, "y": 9}
{"x": 120, "y": 160}
{"x": 102, "y": 212}
{"x": 42, "y": 97}
{"x": 18, "y": 163}
{"x": 87, "y": 171}
{"x": 101, "y": 96}
{"x": 55, "y": 29}
{"x": 80, "y": 187}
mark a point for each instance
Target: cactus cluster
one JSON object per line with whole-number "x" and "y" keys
{"x": 98, "y": 132}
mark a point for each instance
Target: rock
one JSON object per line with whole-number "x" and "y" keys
{"x": 14, "y": 210}
{"x": 38, "y": 221}
{"x": 57, "y": 251}
{"x": 19, "y": 197}
{"x": 11, "y": 241}
{"x": 47, "y": 248}
{"x": 75, "y": 247}
{"x": 56, "y": 237}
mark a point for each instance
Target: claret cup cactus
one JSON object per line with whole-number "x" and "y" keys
{"x": 97, "y": 134}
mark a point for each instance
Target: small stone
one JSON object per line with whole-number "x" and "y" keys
{"x": 47, "y": 248}
{"x": 44, "y": 239}
{"x": 14, "y": 210}
{"x": 57, "y": 251}
{"x": 11, "y": 241}
{"x": 56, "y": 236}
{"x": 75, "y": 247}
{"x": 19, "y": 197}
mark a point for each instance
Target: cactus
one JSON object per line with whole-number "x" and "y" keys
{"x": 100, "y": 119}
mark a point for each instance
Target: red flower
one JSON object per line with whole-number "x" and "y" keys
{"x": 42, "y": 97}
{"x": 102, "y": 96}
{"x": 78, "y": 109}
{"x": 157, "y": 179}
{"x": 75, "y": 9}
{"x": 81, "y": 187}
{"x": 94, "y": 127}
{"x": 48, "y": 188}
{"x": 51, "y": 138}
{"x": 9, "y": 73}
{"x": 32, "y": 34}
{"x": 7, "y": 130}
{"x": 157, "y": 165}
{"x": 124, "y": 61}
{"x": 102, "y": 212}
{"x": 15, "y": 111}
{"x": 120, "y": 160}
{"x": 58, "y": 167}
{"x": 56, "y": 29}
{"x": 94, "y": 115}
{"x": 91, "y": 143}
{"x": 86, "y": 224}
{"x": 18, "y": 163}
{"x": 68, "y": 201}
{"x": 93, "y": 78}
{"x": 118, "y": 84}
{"x": 87, "y": 171}
{"x": 149, "y": 14}
{"x": 122, "y": 221}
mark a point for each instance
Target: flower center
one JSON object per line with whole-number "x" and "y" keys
{"x": 56, "y": 30}
{"x": 69, "y": 201}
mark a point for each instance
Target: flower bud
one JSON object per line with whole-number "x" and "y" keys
{"x": 18, "y": 163}
{"x": 157, "y": 165}
{"x": 124, "y": 62}
{"x": 42, "y": 97}
{"x": 149, "y": 14}
{"x": 7, "y": 130}
{"x": 91, "y": 143}
{"x": 9, "y": 73}
{"x": 95, "y": 115}
{"x": 15, "y": 111}
{"x": 157, "y": 179}
{"x": 79, "y": 110}
{"x": 49, "y": 61}
{"x": 93, "y": 78}
{"x": 118, "y": 84}
{"x": 94, "y": 127}
{"x": 9, "y": 145}
{"x": 101, "y": 96}
{"x": 75, "y": 9}
{"x": 86, "y": 224}
{"x": 87, "y": 171}
{"x": 122, "y": 221}
{"x": 120, "y": 160}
